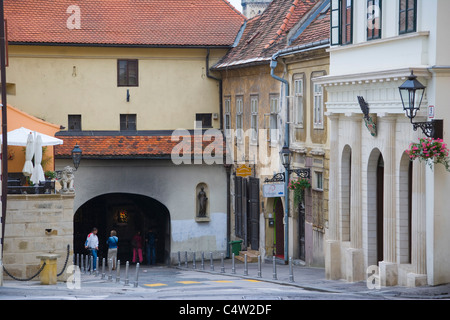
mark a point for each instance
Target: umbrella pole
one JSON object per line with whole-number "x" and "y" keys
{"x": 4, "y": 121}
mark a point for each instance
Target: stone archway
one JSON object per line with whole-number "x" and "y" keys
{"x": 126, "y": 213}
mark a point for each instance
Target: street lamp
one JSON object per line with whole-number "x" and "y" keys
{"x": 76, "y": 156}
{"x": 285, "y": 154}
{"x": 412, "y": 93}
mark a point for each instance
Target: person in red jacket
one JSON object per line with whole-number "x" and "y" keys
{"x": 137, "y": 244}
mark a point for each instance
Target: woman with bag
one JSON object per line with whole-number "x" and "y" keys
{"x": 112, "y": 242}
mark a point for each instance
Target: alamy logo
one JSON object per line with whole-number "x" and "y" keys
{"x": 74, "y": 20}
{"x": 373, "y": 280}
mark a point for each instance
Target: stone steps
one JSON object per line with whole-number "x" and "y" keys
{"x": 252, "y": 256}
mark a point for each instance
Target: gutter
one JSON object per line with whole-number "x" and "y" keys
{"x": 273, "y": 65}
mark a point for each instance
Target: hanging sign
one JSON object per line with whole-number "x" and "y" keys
{"x": 243, "y": 171}
{"x": 273, "y": 190}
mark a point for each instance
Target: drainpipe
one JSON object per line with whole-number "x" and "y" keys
{"x": 227, "y": 166}
{"x": 273, "y": 65}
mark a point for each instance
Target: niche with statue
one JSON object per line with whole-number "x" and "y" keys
{"x": 202, "y": 203}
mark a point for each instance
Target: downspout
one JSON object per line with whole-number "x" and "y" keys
{"x": 227, "y": 167}
{"x": 273, "y": 65}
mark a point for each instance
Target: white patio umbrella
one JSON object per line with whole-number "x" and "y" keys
{"x": 38, "y": 171}
{"x": 29, "y": 153}
{"x": 19, "y": 137}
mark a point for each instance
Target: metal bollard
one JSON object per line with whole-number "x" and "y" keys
{"x": 233, "y": 266}
{"x": 126, "y": 273}
{"x": 245, "y": 265}
{"x": 194, "y": 265}
{"x": 291, "y": 271}
{"x": 96, "y": 269}
{"x": 179, "y": 259}
{"x": 274, "y": 269}
{"x": 103, "y": 268}
{"x": 78, "y": 259}
{"x": 110, "y": 269}
{"x": 222, "y": 268}
{"x": 86, "y": 260}
{"x": 82, "y": 264}
{"x": 212, "y": 263}
{"x": 136, "y": 276}
{"x": 118, "y": 271}
{"x": 259, "y": 267}
{"x": 91, "y": 264}
{"x": 203, "y": 261}
{"x": 185, "y": 259}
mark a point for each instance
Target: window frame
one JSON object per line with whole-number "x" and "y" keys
{"x": 299, "y": 77}
{"x": 239, "y": 115}
{"x": 371, "y": 31}
{"x": 227, "y": 117}
{"x": 273, "y": 117}
{"x": 254, "y": 109}
{"x": 400, "y": 11}
{"x": 71, "y": 119}
{"x": 202, "y": 115}
{"x": 337, "y": 19}
{"x": 127, "y": 84}
{"x": 320, "y": 125}
{"x": 127, "y": 122}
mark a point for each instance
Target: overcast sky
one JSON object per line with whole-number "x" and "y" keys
{"x": 236, "y": 4}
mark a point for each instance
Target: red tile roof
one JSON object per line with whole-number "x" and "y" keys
{"x": 143, "y": 146}
{"x": 124, "y": 22}
{"x": 266, "y": 34}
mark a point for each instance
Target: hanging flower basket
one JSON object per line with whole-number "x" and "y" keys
{"x": 299, "y": 186}
{"x": 431, "y": 149}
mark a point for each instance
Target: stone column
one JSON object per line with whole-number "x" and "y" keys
{"x": 355, "y": 257}
{"x": 332, "y": 244}
{"x": 388, "y": 267}
{"x": 418, "y": 276}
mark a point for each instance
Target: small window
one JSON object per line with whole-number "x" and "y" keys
{"x": 341, "y": 22}
{"x": 254, "y": 119}
{"x": 407, "y": 16}
{"x": 373, "y": 19}
{"x": 273, "y": 121}
{"x": 127, "y": 122}
{"x": 227, "y": 119}
{"x": 127, "y": 73}
{"x": 298, "y": 101}
{"x": 74, "y": 122}
{"x": 239, "y": 118}
{"x": 205, "y": 119}
{"x": 319, "y": 180}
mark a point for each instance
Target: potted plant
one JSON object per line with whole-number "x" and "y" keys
{"x": 433, "y": 151}
{"x": 299, "y": 186}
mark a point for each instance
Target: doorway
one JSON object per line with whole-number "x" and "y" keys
{"x": 380, "y": 204}
{"x": 279, "y": 229}
{"x": 127, "y": 214}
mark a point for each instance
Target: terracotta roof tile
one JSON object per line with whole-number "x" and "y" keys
{"x": 145, "y": 146}
{"x": 268, "y": 33}
{"x": 125, "y": 22}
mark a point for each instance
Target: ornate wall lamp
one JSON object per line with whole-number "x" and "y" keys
{"x": 412, "y": 93}
{"x": 285, "y": 154}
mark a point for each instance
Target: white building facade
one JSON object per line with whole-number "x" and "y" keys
{"x": 386, "y": 213}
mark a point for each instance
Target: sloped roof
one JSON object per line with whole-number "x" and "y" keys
{"x": 266, "y": 34}
{"x": 135, "y": 146}
{"x": 124, "y": 22}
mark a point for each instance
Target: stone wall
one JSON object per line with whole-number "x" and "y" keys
{"x": 37, "y": 224}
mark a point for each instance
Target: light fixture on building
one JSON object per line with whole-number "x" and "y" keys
{"x": 76, "y": 156}
{"x": 285, "y": 155}
{"x": 412, "y": 93}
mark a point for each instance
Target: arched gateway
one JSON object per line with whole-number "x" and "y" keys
{"x": 126, "y": 213}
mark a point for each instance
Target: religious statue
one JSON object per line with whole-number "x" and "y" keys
{"x": 202, "y": 199}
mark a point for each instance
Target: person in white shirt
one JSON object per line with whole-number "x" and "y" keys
{"x": 92, "y": 245}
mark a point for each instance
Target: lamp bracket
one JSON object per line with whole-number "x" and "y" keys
{"x": 302, "y": 173}
{"x": 277, "y": 177}
{"x": 428, "y": 128}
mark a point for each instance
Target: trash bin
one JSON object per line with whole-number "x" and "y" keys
{"x": 236, "y": 246}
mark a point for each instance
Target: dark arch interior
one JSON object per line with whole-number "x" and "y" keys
{"x": 139, "y": 213}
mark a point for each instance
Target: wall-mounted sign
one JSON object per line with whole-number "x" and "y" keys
{"x": 243, "y": 171}
{"x": 430, "y": 112}
{"x": 273, "y": 190}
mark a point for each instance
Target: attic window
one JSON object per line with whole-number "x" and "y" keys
{"x": 127, "y": 73}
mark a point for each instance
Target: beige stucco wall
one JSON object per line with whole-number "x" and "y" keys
{"x": 29, "y": 219}
{"x": 52, "y": 82}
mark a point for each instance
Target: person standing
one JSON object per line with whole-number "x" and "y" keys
{"x": 137, "y": 244}
{"x": 112, "y": 243}
{"x": 91, "y": 244}
{"x": 150, "y": 239}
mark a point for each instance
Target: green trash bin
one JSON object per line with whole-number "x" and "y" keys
{"x": 236, "y": 246}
